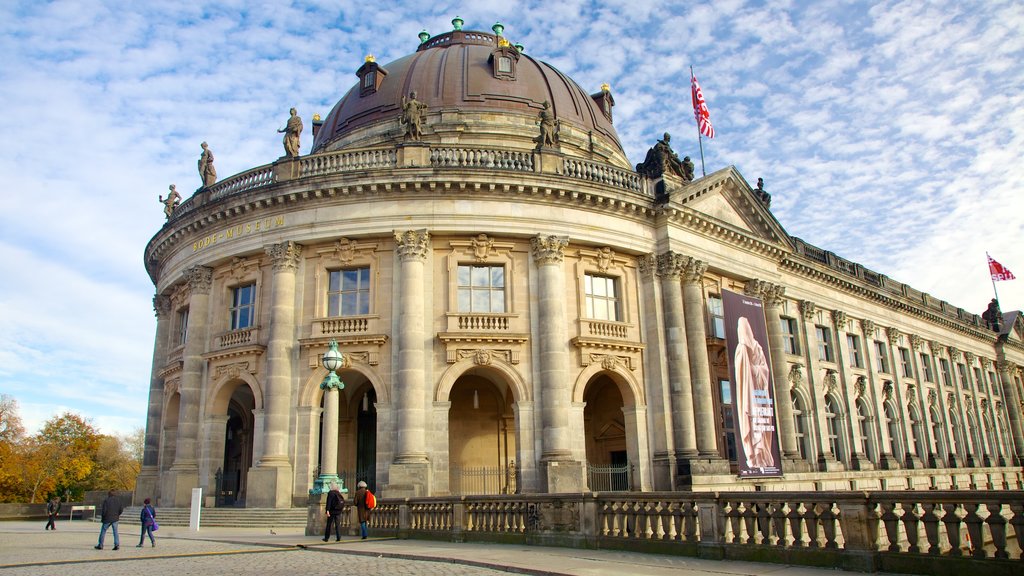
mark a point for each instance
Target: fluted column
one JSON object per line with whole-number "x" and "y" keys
{"x": 772, "y": 296}
{"x": 671, "y": 266}
{"x": 185, "y": 470}
{"x": 553, "y": 345}
{"x": 410, "y": 405}
{"x": 1012, "y": 396}
{"x": 700, "y": 371}
{"x": 270, "y": 481}
{"x": 146, "y": 484}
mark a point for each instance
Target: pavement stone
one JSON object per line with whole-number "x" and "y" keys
{"x": 25, "y": 548}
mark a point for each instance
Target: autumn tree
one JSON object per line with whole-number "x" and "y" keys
{"x": 118, "y": 461}
{"x": 62, "y": 455}
{"x": 12, "y": 435}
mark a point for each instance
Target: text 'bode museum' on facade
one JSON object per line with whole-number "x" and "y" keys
{"x": 517, "y": 308}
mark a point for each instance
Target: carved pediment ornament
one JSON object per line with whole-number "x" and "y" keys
{"x": 840, "y": 318}
{"x": 935, "y": 347}
{"x": 605, "y": 256}
{"x": 830, "y": 380}
{"x": 985, "y": 363}
{"x": 482, "y": 247}
{"x": 969, "y": 357}
{"x": 609, "y": 362}
{"x": 861, "y": 385}
{"x": 808, "y": 309}
{"x": 345, "y": 250}
{"x": 482, "y": 357}
{"x": 796, "y": 375}
{"x": 894, "y": 335}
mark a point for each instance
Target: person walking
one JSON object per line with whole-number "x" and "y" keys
{"x": 148, "y": 519}
{"x": 362, "y": 508}
{"x": 110, "y": 513}
{"x": 335, "y": 503}
{"x": 52, "y": 510}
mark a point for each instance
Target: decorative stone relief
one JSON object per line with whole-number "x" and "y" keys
{"x": 912, "y": 392}
{"x": 916, "y": 341}
{"x": 285, "y": 256}
{"x": 935, "y": 348}
{"x": 199, "y": 279}
{"x": 233, "y": 370}
{"x": 648, "y": 265}
{"x": 869, "y": 328}
{"x": 769, "y": 293}
{"x": 604, "y": 258}
{"x": 830, "y": 381}
{"x": 609, "y": 362}
{"x": 969, "y": 357}
{"x": 482, "y": 247}
{"x": 694, "y": 270}
{"x": 894, "y": 335}
{"x": 887, "y": 389}
{"x": 808, "y": 309}
{"x": 932, "y": 397}
{"x": 954, "y": 353}
{"x": 796, "y": 375}
{"x": 670, "y": 264}
{"x": 549, "y": 249}
{"x": 161, "y": 305}
{"x": 860, "y": 386}
{"x": 950, "y": 399}
{"x": 840, "y": 318}
{"x": 986, "y": 363}
{"x": 412, "y": 244}
{"x": 345, "y": 250}
{"x": 482, "y": 358}
{"x": 984, "y": 403}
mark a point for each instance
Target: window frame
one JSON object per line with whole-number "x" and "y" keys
{"x": 854, "y": 354}
{"x": 236, "y": 309}
{"x": 825, "y": 345}
{"x": 362, "y": 294}
{"x": 907, "y": 362}
{"x": 791, "y": 341}
{"x": 716, "y": 320}
{"x": 882, "y": 357}
{"x": 590, "y": 298}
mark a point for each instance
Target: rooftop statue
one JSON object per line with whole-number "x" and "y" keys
{"x": 292, "y": 130}
{"x": 206, "y": 170}
{"x": 413, "y": 112}
{"x": 993, "y": 316}
{"x": 661, "y": 159}
{"x": 172, "y": 201}
{"x": 761, "y": 194}
{"x": 548, "y": 127}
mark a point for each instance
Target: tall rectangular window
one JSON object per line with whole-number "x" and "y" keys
{"x": 602, "y": 297}
{"x": 961, "y": 371}
{"x": 882, "y": 352}
{"x": 789, "y": 338}
{"x": 728, "y": 419}
{"x": 992, "y": 383}
{"x": 182, "y": 325}
{"x": 926, "y": 368}
{"x": 908, "y": 366}
{"x": 348, "y": 292}
{"x": 947, "y": 378}
{"x": 716, "y": 317}
{"x": 481, "y": 289}
{"x": 978, "y": 379}
{"x": 853, "y": 343}
{"x": 824, "y": 343}
{"x": 243, "y": 306}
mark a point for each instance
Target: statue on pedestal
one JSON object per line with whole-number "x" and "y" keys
{"x": 172, "y": 201}
{"x": 413, "y": 112}
{"x": 993, "y": 316}
{"x": 548, "y": 128}
{"x": 662, "y": 159}
{"x": 206, "y": 170}
{"x": 292, "y": 130}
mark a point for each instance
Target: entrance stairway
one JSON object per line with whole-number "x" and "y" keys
{"x": 226, "y": 517}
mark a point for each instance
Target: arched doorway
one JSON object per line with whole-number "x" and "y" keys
{"x": 238, "y": 439}
{"x": 481, "y": 437}
{"x": 609, "y": 466}
{"x": 357, "y": 432}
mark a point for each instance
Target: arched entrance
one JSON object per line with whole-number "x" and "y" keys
{"x": 481, "y": 437}
{"x": 609, "y": 464}
{"x": 238, "y": 438}
{"x": 357, "y": 432}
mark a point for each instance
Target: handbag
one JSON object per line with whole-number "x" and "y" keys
{"x": 155, "y": 525}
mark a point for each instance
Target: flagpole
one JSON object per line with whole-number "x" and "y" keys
{"x": 700, "y": 141}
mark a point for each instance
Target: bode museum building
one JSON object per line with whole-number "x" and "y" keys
{"x": 519, "y": 309}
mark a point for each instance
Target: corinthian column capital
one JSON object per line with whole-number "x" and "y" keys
{"x": 284, "y": 256}
{"x": 549, "y": 249}
{"x": 412, "y": 244}
{"x": 199, "y": 279}
{"x": 693, "y": 270}
{"x": 671, "y": 264}
{"x": 161, "y": 305}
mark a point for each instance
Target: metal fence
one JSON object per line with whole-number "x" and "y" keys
{"x": 609, "y": 478}
{"x": 483, "y": 480}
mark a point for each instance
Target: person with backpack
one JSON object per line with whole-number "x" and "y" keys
{"x": 149, "y": 525}
{"x": 365, "y": 501}
{"x": 335, "y": 504}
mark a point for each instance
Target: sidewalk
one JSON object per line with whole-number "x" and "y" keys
{"x": 25, "y": 548}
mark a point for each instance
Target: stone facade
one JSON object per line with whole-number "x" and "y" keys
{"x": 533, "y": 318}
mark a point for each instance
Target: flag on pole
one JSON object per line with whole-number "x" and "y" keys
{"x": 998, "y": 271}
{"x": 700, "y": 109}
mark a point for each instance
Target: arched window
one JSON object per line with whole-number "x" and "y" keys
{"x": 800, "y": 426}
{"x": 977, "y": 444}
{"x": 938, "y": 437}
{"x": 864, "y": 427}
{"x": 916, "y": 431}
{"x": 833, "y": 428}
{"x": 892, "y": 426}
{"x": 958, "y": 435}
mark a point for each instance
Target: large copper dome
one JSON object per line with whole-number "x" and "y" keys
{"x": 470, "y": 100}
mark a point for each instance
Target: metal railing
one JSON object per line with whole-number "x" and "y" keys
{"x": 481, "y": 480}
{"x": 609, "y": 478}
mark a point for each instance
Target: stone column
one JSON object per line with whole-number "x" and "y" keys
{"x": 270, "y": 481}
{"x": 1012, "y": 396}
{"x": 772, "y": 296}
{"x": 184, "y": 473}
{"x": 700, "y": 370}
{"x": 410, "y": 472}
{"x": 148, "y": 481}
{"x": 921, "y": 398}
{"x": 215, "y": 439}
{"x": 671, "y": 266}
{"x": 852, "y": 387}
{"x": 560, "y": 472}
{"x": 329, "y": 439}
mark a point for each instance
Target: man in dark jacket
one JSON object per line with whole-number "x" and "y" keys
{"x": 335, "y": 503}
{"x": 52, "y": 510}
{"x": 110, "y": 514}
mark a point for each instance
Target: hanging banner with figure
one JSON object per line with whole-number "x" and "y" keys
{"x": 746, "y": 338}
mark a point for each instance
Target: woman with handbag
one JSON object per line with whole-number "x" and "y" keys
{"x": 149, "y": 525}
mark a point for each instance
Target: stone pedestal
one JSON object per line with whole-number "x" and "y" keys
{"x": 889, "y": 462}
{"x": 147, "y": 484}
{"x": 413, "y": 155}
{"x": 563, "y": 476}
{"x": 548, "y": 161}
{"x": 286, "y": 168}
{"x": 269, "y": 486}
{"x": 408, "y": 480}
{"x": 316, "y": 517}
{"x": 706, "y": 466}
{"x": 176, "y": 488}
{"x": 792, "y": 465}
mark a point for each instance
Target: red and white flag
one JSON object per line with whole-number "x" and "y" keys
{"x": 700, "y": 109}
{"x": 998, "y": 271}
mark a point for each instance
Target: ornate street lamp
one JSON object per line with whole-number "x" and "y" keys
{"x": 332, "y": 385}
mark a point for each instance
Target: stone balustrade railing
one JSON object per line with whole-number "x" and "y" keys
{"x": 922, "y": 532}
{"x": 602, "y": 174}
{"x": 347, "y": 161}
{"x": 607, "y": 329}
{"x": 239, "y": 337}
{"x": 248, "y": 180}
{"x": 459, "y": 157}
{"x": 482, "y": 322}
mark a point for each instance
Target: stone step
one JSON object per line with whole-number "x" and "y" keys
{"x": 225, "y": 517}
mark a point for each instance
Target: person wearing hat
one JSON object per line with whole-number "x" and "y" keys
{"x": 148, "y": 519}
{"x": 362, "y": 508}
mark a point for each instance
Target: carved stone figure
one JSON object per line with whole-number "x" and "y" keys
{"x": 206, "y": 170}
{"x": 687, "y": 168}
{"x": 993, "y": 316}
{"x": 413, "y": 112}
{"x": 661, "y": 159}
{"x": 548, "y": 127}
{"x": 172, "y": 201}
{"x": 292, "y": 130}
{"x": 761, "y": 194}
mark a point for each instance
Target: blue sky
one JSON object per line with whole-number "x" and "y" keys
{"x": 891, "y": 133}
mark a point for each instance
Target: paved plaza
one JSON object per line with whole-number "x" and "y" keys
{"x": 25, "y": 548}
